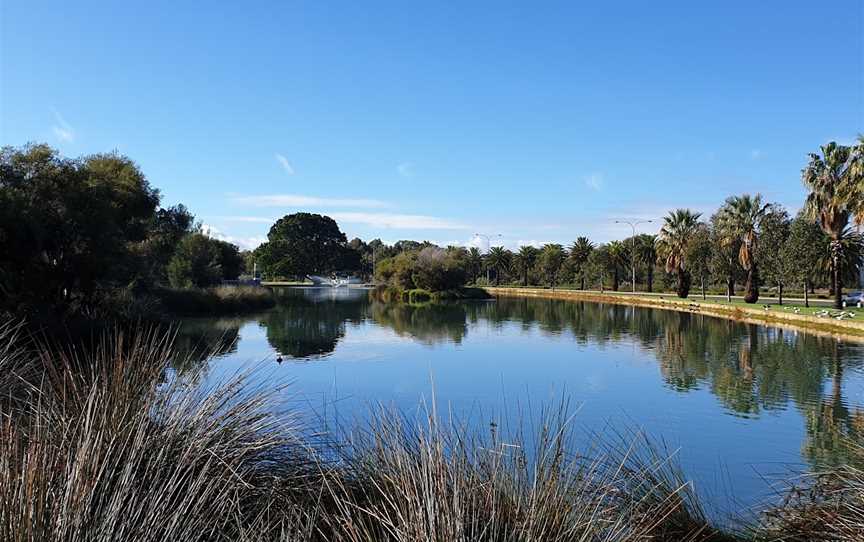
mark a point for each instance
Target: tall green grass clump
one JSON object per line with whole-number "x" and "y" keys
{"x": 107, "y": 443}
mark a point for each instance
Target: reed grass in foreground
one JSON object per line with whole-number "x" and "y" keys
{"x": 105, "y": 448}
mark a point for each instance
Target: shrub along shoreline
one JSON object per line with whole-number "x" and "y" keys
{"x": 102, "y": 447}
{"x": 845, "y": 329}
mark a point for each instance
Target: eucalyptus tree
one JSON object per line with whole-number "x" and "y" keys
{"x": 724, "y": 257}
{"x": 741, "y": 218}
{"x": 524, "y": 260}
{"x": 498, "y": 259}
{"x": 833, "y": 179}
{"x": 673, "y": 243}
{"x": 618, "y": 258}
{"x": 777, "y": 269}
{"x": 580, "y": 251}
{"x": 699, "y": 255}
{"x": 598, "y": 264}
{"x": 802, "y": 252}
{"x": 551, "y": 260}
{"x": 646, "y": 255}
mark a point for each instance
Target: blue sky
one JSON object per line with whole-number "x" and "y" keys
{"x": 538, "y": 121}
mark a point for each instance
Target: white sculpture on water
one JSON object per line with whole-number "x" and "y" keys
{"x": 334, "y": 280}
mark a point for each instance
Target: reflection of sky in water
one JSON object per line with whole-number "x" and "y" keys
{"x": 741, "y": 402}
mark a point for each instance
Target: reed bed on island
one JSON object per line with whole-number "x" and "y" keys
{"x": 107, "y": 443}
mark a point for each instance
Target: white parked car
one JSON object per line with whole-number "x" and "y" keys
{"x": 853, "y": 299}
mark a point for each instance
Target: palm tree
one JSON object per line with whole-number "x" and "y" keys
{"x": 646, "y": 254}
{"x": 618, "y": 259}
{"x": 524, "y": 260}
{"x": 551, "y": 259}
{"x": 579, "y": 253}
{"x": 497, "y": 259}
{"x": 852, "y": 253}
{"x": 741, "y": 219}
{"x": 833, "y": 180}
{"x": 473, "y": 263}
{"x": 673, "y": 243}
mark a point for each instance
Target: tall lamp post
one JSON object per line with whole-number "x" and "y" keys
{"x": 488, "y": 240}
{"x": 633, "y": 224}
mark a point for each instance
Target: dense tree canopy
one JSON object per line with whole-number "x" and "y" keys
{"x": 304, "y": 244}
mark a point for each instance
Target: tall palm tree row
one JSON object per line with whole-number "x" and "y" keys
{"x": 646, "y": 256}
{"x": 673, "y": 244}
{"x": 740, "y": 219}
{"x": 498, "y": 259}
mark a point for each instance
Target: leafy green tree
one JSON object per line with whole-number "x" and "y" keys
{"x": 724, "y": 256}
{"x": 580, "y": 251}
{"x": 741, "y": 218}
{"x": 524, "y": 260}
{"x": 303, "y": 244}
{"x": 802, "y": 252}
{"x": 69, "y": 228}
{"x": 834, "y": 188}
{"x": 498, "y": 260}
{"x": 195, "y": 263}
{"x": 774, "y": 237}
{"x": 230, "y": 260}
{"x": 673, "y": 244}
{"x": 168, "y": 226}
{"x": 598, "y": 265}
{"x": 436, "y": 270}
{"x": 551, "y": 260}
{"x": 699, "y": 255}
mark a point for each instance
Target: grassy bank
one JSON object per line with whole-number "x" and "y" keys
{"x": 847, "y": 324}
{"x": 104, "y": 448}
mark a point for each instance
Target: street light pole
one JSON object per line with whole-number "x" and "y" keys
{"x": 489, "y": 241}
{"x": 633, "y": 224}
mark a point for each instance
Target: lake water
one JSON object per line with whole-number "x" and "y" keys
{"x": 740, "y": 403}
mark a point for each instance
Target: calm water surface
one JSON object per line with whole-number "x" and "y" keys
{"x": 740, "y": 402}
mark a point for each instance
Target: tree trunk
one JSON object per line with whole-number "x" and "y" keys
{"x": 683, "y": 289}
{"x": 836, "y": 247}
{"x": 582, "y": 282}
{"x": 650, "y": 278}
{"x": 780, "y": 292}
{"x": 525, "y": 278}
{"x": 702, "y": 281}
{"x": 807, "y": 286}
{"x": 730, "y": 289}
{"x": 615, "y": 280}
{"x": 752, "y": 287}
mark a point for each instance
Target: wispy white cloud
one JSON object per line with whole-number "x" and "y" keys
{"x": 405, "y": 169}
{"x": 755, "y": 154}
{"x": 398, "y": 221}
{"x": 62, "y": 130}
{"x": 594, "y": 181}
{"x": 245, "y": 243}
{"x": 297, "y": 200}
{"x": 286, "y": 165}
